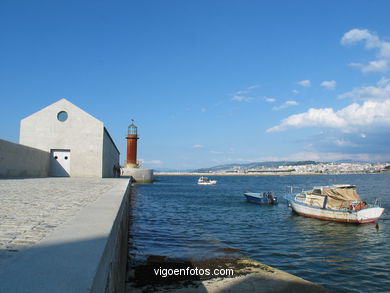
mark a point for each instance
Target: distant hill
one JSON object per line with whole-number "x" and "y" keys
{"x": 255, "y": 165}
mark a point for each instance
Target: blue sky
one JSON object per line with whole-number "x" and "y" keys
{"x": 207, "y": 82}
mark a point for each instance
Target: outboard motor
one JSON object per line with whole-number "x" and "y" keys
{"x": 273, "y": 198}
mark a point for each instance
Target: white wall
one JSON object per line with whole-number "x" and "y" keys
{"x": 22, "y": 161}
{"x": 81, "y": 133}
{"x": 110, "y": 155}
{"x": 139, "y": 175}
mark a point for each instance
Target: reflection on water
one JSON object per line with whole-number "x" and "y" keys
{"x": 178, "y": 218}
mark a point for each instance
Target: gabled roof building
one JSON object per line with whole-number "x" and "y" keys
{"x": 78, "y": 143}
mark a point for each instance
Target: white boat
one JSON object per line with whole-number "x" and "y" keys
{"x": 339, "y": 203}
{"x": 206, "y": 181}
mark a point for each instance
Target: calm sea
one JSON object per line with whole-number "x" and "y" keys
{"x": 178, "y": 218}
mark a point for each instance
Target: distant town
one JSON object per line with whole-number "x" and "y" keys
{"x": 290, "y": 168}
{"x": 322, "y": 168}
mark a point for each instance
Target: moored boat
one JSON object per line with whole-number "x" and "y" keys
{"x": 206, "y": 181}
{"x": 339, "y": 203}
{"x": 267, "y": 197}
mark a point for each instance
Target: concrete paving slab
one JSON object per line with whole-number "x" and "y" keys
{"x": 54, "y": 231}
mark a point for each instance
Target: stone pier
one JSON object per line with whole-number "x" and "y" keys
{"x": 63, "y": 234}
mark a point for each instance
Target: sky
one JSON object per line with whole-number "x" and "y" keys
{"x": 207, "y": 82}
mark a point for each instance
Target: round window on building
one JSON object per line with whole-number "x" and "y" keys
{"x": 62, "y": 116}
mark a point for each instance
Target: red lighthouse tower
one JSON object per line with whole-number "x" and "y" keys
{"x": 132, "y": 137}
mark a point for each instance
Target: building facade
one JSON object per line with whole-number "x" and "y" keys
{"x": 78, "y": 143}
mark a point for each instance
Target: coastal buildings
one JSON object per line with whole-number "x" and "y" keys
{"x": 338, "y": 168}
{"x": 309, "y": 168}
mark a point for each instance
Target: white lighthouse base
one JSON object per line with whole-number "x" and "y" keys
{"x": 139, "y": 175}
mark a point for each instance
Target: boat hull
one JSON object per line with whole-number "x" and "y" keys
{"x": 367, "y": 215}
{"x": 213, "y": 182}
{"x": 257, "y": 198}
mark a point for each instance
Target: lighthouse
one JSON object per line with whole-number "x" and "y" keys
{"x": 132, "y": 137}
{"x": 132, "y": 167}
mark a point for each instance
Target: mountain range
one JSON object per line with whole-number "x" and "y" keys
{"x": 254, "y": 165}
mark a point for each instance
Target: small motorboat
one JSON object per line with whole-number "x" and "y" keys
{"x": 339, "y": 203}
{"x": 267, "y": 197}
{"x": 206, "y": 181}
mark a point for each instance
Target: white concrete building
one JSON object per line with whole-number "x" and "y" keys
{"x": 78, "y": 143}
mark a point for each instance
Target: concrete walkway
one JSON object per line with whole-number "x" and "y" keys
{"x": 54, "y": 231}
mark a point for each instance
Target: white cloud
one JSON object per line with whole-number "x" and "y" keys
{"x": 329, "y": 84}
{"x": 239, "y": 98}
{"x": 379, "y": 92}
{"x": 241, "y": 92}
{"x": 324, "y": 157}
{"x": 285, "y": 105}
{"x": 371, "y": 41}
{"x": 270, "y": 100}
{"x": 356, "y": 35}
{"x": 295, "y": 92}
{"x": 383, "y": 82}
{"x": 373, "y": 66}
{"x": 351, "y": 118}
{"x": 376, "y": 66}
{"x": 242, "y": 95}
{"x": 342, "y": 142}
{"x": 330, "y": 156}
{"x": 313, "y": 117}
{"x": 304, "y": 83}
{"x": 198, "y": 146}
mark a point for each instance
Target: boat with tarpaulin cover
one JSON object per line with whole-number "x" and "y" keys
{"x": 339, "y": 203}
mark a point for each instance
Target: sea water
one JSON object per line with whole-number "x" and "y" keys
{"x": 177, "y": 218}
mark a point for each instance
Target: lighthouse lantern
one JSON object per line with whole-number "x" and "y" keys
{"x": 132, "y": 130}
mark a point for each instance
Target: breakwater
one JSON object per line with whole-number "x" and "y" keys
{"x": 63, "y": 234}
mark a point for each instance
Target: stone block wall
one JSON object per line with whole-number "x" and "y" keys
{"x": 111, "y": 274}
